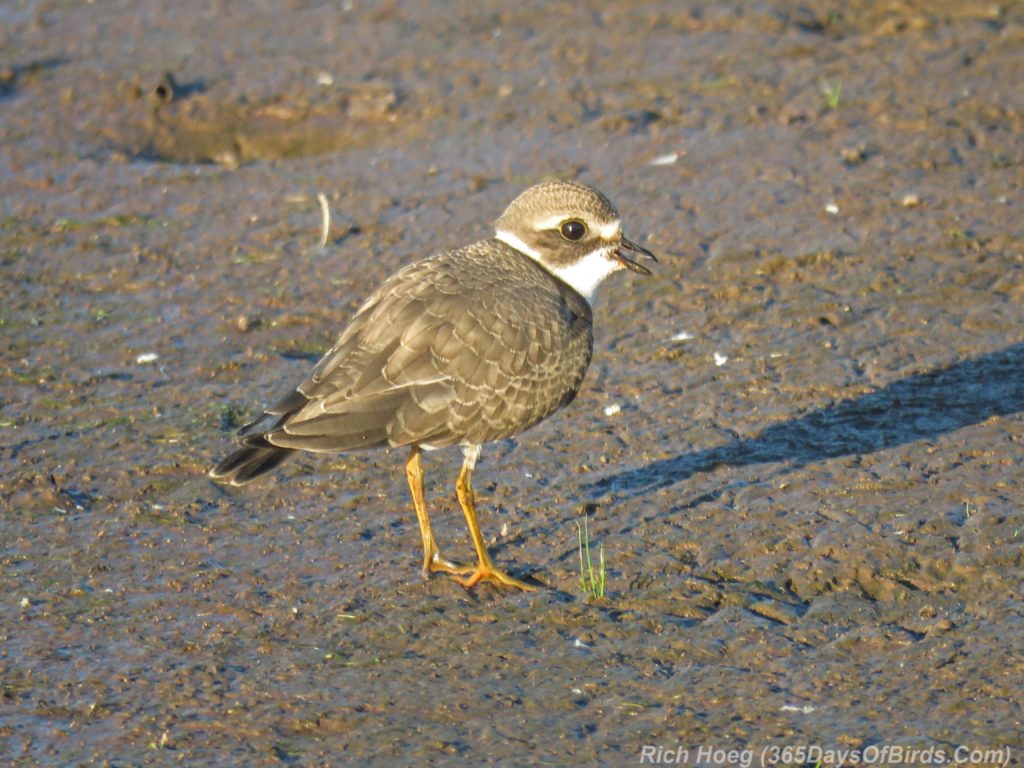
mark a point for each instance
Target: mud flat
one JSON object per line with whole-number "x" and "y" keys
{"x": 800, "y": 446}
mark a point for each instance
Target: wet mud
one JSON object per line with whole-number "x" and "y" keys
{"x": 800, "y": 445}
{"x": 179, "y": 124}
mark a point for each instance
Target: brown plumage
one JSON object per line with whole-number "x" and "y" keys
{"x": 466, "y": 347}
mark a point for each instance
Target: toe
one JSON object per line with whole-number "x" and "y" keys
{"x": 495, "y": 576}
{"x": 440, "y": 564}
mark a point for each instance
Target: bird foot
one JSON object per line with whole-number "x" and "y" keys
{"x": 439, "y": 564}
{"x": 497, "y": 577}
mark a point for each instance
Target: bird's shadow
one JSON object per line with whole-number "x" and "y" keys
{"x": 919, "y": 407}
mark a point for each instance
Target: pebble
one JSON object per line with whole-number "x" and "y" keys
{"x": 668, "y": 158}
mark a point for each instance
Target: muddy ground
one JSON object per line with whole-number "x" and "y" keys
{"x": 810, "y": 499}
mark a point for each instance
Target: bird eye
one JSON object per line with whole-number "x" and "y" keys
{"x": 573, "y": 229}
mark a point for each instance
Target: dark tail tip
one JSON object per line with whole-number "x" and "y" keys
{"x": 255, "y": 458}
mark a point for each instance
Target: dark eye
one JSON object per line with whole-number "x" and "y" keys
{"x": 573, "y": 229}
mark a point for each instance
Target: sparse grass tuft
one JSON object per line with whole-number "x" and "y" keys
{"x": 590, "y": 582}
{"x": 832, "y": 93}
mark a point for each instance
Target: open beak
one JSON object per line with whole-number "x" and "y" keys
{"x": 628, "y": 249}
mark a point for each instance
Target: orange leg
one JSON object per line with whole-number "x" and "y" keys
{"x": 485, "y": 569}
{"x": 432, "y": 560}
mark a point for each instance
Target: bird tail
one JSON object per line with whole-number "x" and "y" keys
{"x": 256, "y": 457}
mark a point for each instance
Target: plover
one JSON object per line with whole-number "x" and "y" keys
{"x": 463, "y": 348}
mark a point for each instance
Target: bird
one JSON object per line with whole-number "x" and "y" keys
{"x": 463, "y": 348}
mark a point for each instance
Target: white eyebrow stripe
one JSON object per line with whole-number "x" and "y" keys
{"x": 553, "y": 221}
{"x": 609, "y": 231}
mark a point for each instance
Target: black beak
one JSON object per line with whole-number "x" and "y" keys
{"x": 628, "y": 248}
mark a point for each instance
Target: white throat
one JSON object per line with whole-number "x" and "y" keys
{"x": 589, "y": 272}
{"x": 583, "y": 277}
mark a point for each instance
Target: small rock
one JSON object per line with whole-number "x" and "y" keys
{"x": 804, "y": 709}
{"x": 853, "y": 155}
{"x": 669, "y": 158}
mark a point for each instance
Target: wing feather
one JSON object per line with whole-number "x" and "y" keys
{"x": 420, "y": 363}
